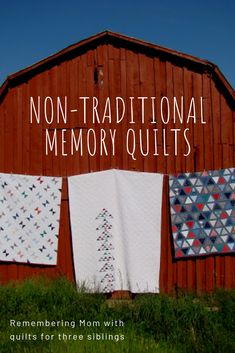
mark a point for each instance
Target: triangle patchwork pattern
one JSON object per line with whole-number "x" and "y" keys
{"x": 203, "y": 212}
{"x": 105, "y": 249}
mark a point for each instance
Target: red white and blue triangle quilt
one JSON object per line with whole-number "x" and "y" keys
{"x": 203, "y": 212}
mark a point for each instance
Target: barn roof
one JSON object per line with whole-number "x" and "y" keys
{"x": 120, "y": 40}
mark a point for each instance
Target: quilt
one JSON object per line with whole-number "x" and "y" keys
{"x": 202, "y": 212}
{"x": 29, "y": 218}
{"x": 116, "y": 230}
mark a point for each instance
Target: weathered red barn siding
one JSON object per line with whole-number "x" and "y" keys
{"x": 113, "y": 65}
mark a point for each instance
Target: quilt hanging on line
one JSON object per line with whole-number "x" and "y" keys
{"x": 29, "y": 218}
{"x": 116, "y": 230}
{"x": 203, "y": 212}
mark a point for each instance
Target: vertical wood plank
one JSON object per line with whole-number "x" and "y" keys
{"x": 209, "y": 163}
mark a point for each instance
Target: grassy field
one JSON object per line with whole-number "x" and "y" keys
{"x": 150, "y": 323}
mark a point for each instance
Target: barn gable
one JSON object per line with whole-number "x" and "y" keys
{"x": 118, "y": 40}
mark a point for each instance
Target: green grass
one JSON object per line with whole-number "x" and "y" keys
{"x": 152, "y": 323}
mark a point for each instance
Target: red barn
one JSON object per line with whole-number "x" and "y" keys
{"x": 112, "y": 65}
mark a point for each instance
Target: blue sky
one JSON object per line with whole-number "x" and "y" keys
{"x": 33, "y": 30}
